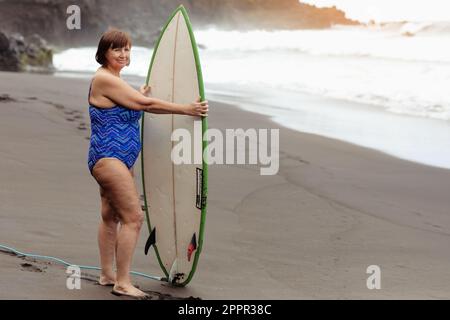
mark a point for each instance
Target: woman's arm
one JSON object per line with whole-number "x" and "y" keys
{"x": 122, "y": 93}
{"x": 196, "y": 108}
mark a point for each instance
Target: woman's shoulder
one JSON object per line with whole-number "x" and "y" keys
{"x": 102, "y": 78}
{"x": 99, "y": 82}
{"x": 101, "y": 75}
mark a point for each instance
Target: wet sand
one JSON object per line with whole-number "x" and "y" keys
{"x": 309, "y": 232}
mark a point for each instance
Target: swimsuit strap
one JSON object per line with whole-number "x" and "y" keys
{"x": 89, "y": 94}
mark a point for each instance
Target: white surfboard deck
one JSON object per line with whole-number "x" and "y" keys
{"x": 175, "y": 195}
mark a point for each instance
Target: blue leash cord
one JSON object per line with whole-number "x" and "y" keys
{"x": 60, "y": 261}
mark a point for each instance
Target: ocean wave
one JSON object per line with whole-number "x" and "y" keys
{"x": 379, "y": 42}
{"x": 407, "y": 75}
{"x": 425, "y": 28}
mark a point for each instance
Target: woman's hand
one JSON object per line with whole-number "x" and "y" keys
{"x": 197, "y": 108}
{"x": 145, "y": 90}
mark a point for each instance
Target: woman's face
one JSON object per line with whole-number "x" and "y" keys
{"x": 119, "y": 57}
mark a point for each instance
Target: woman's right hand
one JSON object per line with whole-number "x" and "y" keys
{"x": 197, "y": 108}
{"x": 145, "y": 90}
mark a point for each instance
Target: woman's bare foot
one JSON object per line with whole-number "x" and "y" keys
{"x": 129, "y": 290}
{"x": 107, "y": 280}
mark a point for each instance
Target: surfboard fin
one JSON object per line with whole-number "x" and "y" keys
{"x": 150, "y": 241}
{"x": 192, "y": 247}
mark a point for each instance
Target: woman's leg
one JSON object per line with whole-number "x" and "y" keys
{"x": 115, "y": 179}
{"x": 107, "y": 237}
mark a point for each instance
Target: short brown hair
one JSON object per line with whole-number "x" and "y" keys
{"x": 112, "y": 38}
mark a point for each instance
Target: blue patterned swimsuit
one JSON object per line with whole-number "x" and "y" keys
{"x": 114, "y": 134}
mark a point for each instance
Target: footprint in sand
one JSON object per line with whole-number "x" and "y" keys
{"x": 82, "y": 126}
{"x": 166, "y": 296}
{"x": 6, "y": 98}
{"x": 58, "y": 106}
{"x": 71, "y": 115}
{"x": 30, "y": 267}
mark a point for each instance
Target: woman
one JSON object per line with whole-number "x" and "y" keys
{"x": 115, "y": 109}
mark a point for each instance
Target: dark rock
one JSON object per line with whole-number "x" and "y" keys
{"x": 9, "y": 59}
{"x": 37, "y": 40}
{"x": 20, "y": 54}
{"x": 4, "y": 42}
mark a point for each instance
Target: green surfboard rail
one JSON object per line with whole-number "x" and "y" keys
{"x": 204, "y": 145}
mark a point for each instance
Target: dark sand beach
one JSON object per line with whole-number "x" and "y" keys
{"x": 309, "y": 232}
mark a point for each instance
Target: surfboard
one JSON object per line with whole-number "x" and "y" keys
{"x": 174, "y": 194}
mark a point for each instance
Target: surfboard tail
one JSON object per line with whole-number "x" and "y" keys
{"x": 173, "y": 274}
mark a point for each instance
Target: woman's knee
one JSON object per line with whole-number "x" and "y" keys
{"x": 109, "y": 217}
{"x": 135, "y": 220}
{"x": 119, "y": 192}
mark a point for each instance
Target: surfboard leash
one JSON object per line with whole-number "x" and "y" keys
{"x": 65, "y": 263}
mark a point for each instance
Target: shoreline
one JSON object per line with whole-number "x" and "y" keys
{"x": 308, "y": 232}
{"x": 408, "y": 137}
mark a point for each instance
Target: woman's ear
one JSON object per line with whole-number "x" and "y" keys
{"x": 128, "y": 63}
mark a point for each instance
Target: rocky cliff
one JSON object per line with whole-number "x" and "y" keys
{"x": 143, "y": 18}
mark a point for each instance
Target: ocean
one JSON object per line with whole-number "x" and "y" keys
{"x": 380, "y": 86}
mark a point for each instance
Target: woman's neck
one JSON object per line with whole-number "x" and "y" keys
{"x": 112, "y": 71}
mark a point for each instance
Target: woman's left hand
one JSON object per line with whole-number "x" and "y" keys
{"x": 145, "y": 90}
